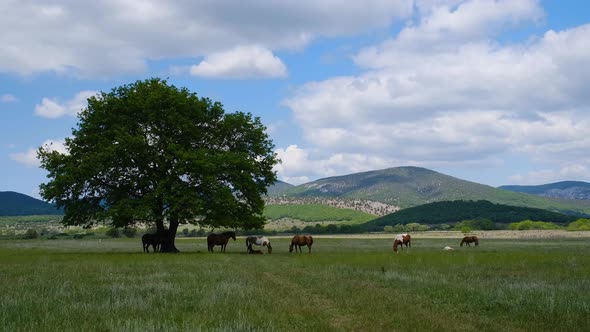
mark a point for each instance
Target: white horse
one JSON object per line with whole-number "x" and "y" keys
{"x": 259, "y": 241}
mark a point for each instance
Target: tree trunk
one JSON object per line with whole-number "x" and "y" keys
{"x": 169, "y": 236}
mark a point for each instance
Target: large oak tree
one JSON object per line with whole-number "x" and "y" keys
{"x": 151, "y": 152}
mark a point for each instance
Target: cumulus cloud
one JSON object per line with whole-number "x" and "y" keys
{"x": 7, "y": 98}
{"x": 107, "y": 37}
{"x": 29, "y": 157}
{"x": 241, "y": 62}
{"x": 53, "y": 108}
{"x": 444, "y": 91}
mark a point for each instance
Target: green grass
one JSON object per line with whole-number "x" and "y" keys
{"x": 345, "y": 284}
{"x": 315, "y": 213}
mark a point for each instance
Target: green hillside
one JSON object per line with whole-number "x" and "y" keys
{"x": 15, "y": 204}
{"x": 412, "y": 186}
{"x": 315, "y": 213}
{"x": 456, "y": 211}
{"x": 278, "y": 187}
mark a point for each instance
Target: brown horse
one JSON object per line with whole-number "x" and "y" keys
{"x": 401, "y": 240}
{"x": 150, "y": 239}
{"x": 219, "y": 240}
{"x": 469, "y": 239}
{"x": 299, "y": 241}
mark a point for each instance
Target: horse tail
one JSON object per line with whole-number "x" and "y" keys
{"x": 310, "y": 240}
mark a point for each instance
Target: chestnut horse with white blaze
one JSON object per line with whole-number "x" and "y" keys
{"x": 299, "y": 241}
{"x": 401, "y": 240}
{"x": 470, "y": 239}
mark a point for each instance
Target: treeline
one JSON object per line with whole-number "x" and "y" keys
{"x": 450, "y": 212}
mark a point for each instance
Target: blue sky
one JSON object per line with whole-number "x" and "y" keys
{"x": 490, "y": 91}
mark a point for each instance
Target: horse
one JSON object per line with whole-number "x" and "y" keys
{"x": 259, "y": 241}
{"x": 401, "y": 240}
{"x": 468, "y": 239}
{"x": 219, "y": 240}
{"x": 153, "y": 240}
{"x": 301, "y": 240}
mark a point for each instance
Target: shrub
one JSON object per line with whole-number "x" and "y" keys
{"x": 399, "y": 228}
{"x": 31, "y": 234}
{"x": 113, "y": 232}
{"x": 388, "y": 229}
{"x": 529, "y": 224}
{"x": 579, "y": 225}
{"x": 465, "y": 229}
{"x": 129, "y": 231}
{"x": 444, "y": 227}
{"x": 185, "y": 232}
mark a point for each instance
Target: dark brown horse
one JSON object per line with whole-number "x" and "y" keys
{"x": 470, "y": 239}
{"x": 299, "y": 241}
{"x": 153, "y": 240}
{"x": 401, "y": 240}
{"x": 219, "y": 240}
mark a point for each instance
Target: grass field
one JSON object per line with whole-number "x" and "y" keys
{"x": 344, "y": 285}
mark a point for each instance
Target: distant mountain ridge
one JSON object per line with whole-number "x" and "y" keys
{"x": 16, "y": 204}
{"x": 565, "y": 189}
{"x": 278, "y": 187}
{"x": 410, "y": 186}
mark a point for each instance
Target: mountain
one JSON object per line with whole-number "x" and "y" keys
{"x": 564, "y": 190}
{"x": 278, "y": 187}
{"x": 456, "y": 211}
{"x": 15, "y": 204}
{"x": 412, "y": 186}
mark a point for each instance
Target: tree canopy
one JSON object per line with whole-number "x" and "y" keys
{"x": 151, "y": 152}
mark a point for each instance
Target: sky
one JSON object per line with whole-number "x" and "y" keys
{"x": 491, "y": 91}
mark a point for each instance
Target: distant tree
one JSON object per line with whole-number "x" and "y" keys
{"x": 113, "y": 232}
{"x": 388, "y": 229}
{"x": 151, "y": 152}
{"x": 400, "y": 228}
{"x": 465, "y": 229}
{"x": 129, "y": 231}
{"x": 579, "y": 225}
{"x": 31, "y": 234}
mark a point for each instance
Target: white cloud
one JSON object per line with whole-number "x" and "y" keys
{"x": 562, "y": 173}
{"x": 29, "y": 157}
{"x": 7, "y": 98}
{"x": 241, "y": 62}
{"x": 443, "y": 91}
{"x": 299, "y": 166}
{"x": 52, "y": 108}
{"x": 106, "y": 37}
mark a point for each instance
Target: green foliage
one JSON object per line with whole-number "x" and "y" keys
{"x": 529, "y": 224}
{"x": 388, "y": 229}
{"x": 113, "y": 232}
{"x": 476, "y": 224}
{"x": 315, "y": 213}
{"x": 579, "y": 225}
{"x": 150, "y": 151}
{"x": 444, "y": 227}
{"x": 31, "y": 234}
{"x": 129, "y": 231}
{"x": 465, "y": 229}
{"x": 457, "y": 211}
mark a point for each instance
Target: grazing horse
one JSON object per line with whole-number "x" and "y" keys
{"x": 401, "y": 240}
{"x": 219, "y": 240}
{"x": 301, "y": 240}
{"x": 468, "y": 239}
{"x": 259, "y": 241}
{"x": 153, "y": 240}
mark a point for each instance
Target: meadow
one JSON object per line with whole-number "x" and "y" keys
{"x": 346, "y": 284}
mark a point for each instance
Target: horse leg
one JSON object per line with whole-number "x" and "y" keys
{"x": 309, "y": 247}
